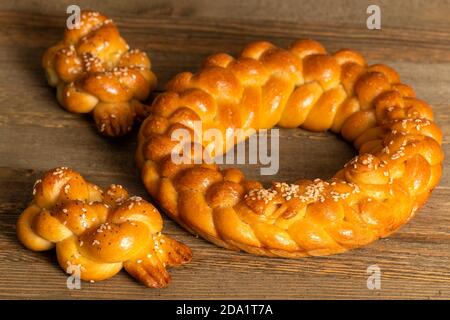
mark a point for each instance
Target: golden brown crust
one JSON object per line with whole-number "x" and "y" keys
{"x": 95, "y": 72}
{"x": 372, "y": 196}
{"x": 99, "y": 231}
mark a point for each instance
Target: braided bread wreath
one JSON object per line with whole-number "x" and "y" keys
{"x": 399, "y": 160}
{"x": 98, "y": 231}
{"x": 95, "y": 72}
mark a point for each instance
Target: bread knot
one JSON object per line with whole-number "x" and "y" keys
{"x": 95, "y": 72}
{"x": 99, "y": 231}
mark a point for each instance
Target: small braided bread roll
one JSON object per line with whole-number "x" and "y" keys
{"x": 100, "y": 232}
{"x": 95, "y": 72}
{"x": 399, "y": 145}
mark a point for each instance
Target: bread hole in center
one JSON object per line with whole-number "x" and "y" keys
{"x": 302, "y": 155}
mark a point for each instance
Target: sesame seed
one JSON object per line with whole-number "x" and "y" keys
{"x": 66, "y": 188}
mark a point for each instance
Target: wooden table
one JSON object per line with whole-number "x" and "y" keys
{"x": 36, "y": 134}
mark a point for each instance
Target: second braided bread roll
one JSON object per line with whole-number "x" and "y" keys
{"x": 94, "y": 71}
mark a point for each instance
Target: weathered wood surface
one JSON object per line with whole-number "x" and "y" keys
{"x": 35, "y": 135}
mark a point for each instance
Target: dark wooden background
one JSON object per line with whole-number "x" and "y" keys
{"x": 36, "y": 134}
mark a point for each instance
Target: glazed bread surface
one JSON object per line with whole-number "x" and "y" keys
{"x": 97, "y": 231}
{"x": 398, "y": 165}
{"x": 94, "y": 71}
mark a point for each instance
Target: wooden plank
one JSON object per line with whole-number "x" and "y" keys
{"x": 35, "y": 135}
{"x": 412, "y": 13}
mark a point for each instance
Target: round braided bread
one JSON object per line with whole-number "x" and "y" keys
{"x": 100, "y": 232}
{"x": 95, "y": 72}
{"x": 399, "y": 160}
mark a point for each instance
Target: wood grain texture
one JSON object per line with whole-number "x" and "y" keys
{"x": 36, "y": 134}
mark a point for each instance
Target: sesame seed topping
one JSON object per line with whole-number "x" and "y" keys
{"x": 262, "y": 194}
{"x": 67, "y": 188}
